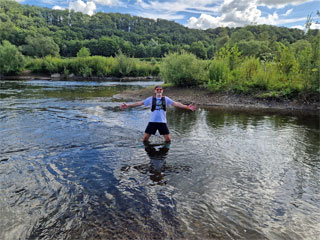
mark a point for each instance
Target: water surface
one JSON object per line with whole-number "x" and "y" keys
{"x": 72, "y": 167}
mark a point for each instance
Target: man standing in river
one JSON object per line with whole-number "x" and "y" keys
{"x": 158, "y": 119}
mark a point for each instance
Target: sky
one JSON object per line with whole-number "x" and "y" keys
{"x": 201, "y": 14}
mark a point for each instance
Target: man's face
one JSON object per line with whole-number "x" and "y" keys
{"x": 158, "y": 91}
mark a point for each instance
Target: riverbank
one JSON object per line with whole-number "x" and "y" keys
{"x": 27, "y": 76}
{"x": 205, "y": 98}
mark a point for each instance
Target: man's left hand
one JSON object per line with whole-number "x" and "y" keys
{"x": 192, "y": 107}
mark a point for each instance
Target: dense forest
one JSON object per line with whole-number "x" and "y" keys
{"x": 64, "y": 33}
{"x": 277, "y": 60}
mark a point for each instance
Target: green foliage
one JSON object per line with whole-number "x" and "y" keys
{"x": 241, "y": 34}
{"x": 198, "y": 49}
{"x": 123, "y": 65}
{"x": 84, "y": 52}
{"x": 53, "y": 64}
{"x": 108, "y": 46}
{"x": 11, "y": 60}
{"x": 182, "y": 69}
{"x": 140, "y": 51}
{"x": 300, "y": 46}
{"x": 219, "y": 74}
{"x": 231, "y": 55}
{"x": 104, "y": 34}
{"x": 254, "y": 48}
{"x": 40, "y": 46}
{"x": 278, "y": 61}
{"x": 211, "y": 52}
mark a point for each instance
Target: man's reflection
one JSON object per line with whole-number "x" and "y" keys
{"x": 157, "y": 154}
{"x": 157, "y": 167}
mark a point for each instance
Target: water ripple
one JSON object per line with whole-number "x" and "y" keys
{"x": 73, "y": 167}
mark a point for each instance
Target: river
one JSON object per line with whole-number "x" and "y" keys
{"x": 72, "y": 166}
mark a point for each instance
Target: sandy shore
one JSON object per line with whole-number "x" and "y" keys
{"x": 207, "y": 99}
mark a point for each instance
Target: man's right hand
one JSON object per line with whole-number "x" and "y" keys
{"x": 123, "y": 106}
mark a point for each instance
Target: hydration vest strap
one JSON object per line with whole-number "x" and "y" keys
{"x": 154, "y": 103}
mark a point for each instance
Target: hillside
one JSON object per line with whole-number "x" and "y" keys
{"x": 107, "y": 33}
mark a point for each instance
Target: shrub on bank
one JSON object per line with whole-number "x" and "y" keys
{"x": 11, "y": 60}
{"x": 120, "y": 66}
{"x": 183, "y": 69}
{"x": 219, "y": 75}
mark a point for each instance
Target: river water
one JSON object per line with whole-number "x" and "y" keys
{"x": 72, "y": 166}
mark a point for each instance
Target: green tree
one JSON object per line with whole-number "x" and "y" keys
{"x": 211, "y": 52}
{"x": 300, "y": 45}
{"x": 253, "y": 48}
{"x": 198, "y": 49}
{"x": 287, "y": 62}
{"x": 231, "y": 55}
{"x": 140, "y": 51}
{"x": 221, "y": 41}
{"x": 11, "y": 60}
{"x": 241, "y": 34}
{"x": 108, "y": 46}
{"x": 40, "y": 46}
{"x": 84, "y": 52}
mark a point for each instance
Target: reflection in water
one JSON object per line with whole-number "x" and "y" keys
{"x": 157, "y": 168}
{"x": 157, "y": 160}
{"x": 72, "y": 167}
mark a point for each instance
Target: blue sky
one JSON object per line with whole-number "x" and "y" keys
{"x": 201, "y": 14}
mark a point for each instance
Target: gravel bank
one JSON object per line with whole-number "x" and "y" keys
{"x": 204, "y": 98}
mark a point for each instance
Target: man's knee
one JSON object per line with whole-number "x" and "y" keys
{"x": 167, "y": 138}
{"x": 145, "y": 137}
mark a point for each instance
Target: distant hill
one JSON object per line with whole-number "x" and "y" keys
{"x": 132, "y": 35}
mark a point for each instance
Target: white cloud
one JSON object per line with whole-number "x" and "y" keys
{"x": 288, "y": 12}
{"x": 206, "y": 21}
{"x": 168, "y": 16}
{"x": 108, "y": 2}
{"x": 298, "y": 27}
{"x": 58, "y": 8}
{"x": 80, "y": 6}
{"x": 180, "y": 6}
{"x": 280, "y": 3}
{"x": 233, "y": 14}
{"x": 315, "y": 26}
{"x": 238, "y": 13}
{"x": 90, "y": 7}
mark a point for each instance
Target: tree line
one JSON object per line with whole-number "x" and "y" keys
{"x": 265, "y": 60}
{"x": 39, "y": 32}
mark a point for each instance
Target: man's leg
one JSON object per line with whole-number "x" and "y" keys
{"x": 167, "y": 137}
{"x": 146, "y": 137}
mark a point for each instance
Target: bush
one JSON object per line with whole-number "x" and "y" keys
{"x": 124, "y": 65}
{"x": 84, "y": 52}
{"x": 218, "y": 74}
{"x": 121, "y": 66}
{"x": 35, "y": 65}
{"x": 11, "y": 60}
{"x": 54, "y": 65}
{"x": 183, "y": 69}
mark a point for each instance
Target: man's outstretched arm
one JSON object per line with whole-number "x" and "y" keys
{"x": 136, "y": 104}
{"x": 191, "y": 107}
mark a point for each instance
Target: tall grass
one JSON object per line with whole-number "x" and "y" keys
{"x": 120, "y": 66}
{"x": 290, "y": 73}
{"x": 286, "y": 76}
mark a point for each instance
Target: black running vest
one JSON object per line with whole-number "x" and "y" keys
{"x": 154, "y": 103}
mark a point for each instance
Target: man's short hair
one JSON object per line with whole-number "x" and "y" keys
{"x": 158, "y": 86}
